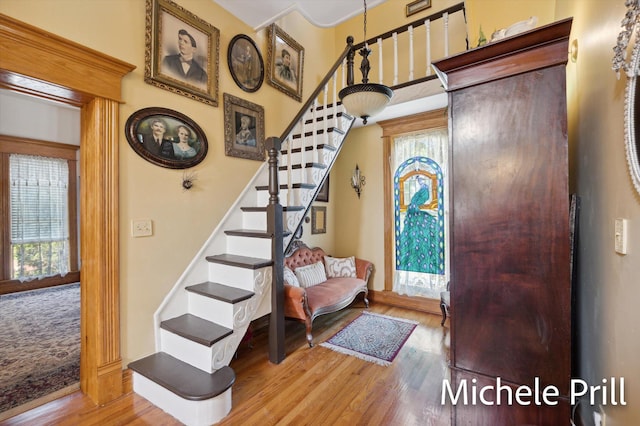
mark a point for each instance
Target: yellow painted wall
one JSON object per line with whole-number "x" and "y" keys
{"x": 607, "y": 314}
{"x": 608, "y": 335}
{"x": 182, "y": 220}
{"x": 493, "y": 15}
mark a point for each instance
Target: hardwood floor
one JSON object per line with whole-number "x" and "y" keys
{"x": 314, "y": 386}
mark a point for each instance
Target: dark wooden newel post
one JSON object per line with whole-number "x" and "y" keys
{"x": 276, "y": 229}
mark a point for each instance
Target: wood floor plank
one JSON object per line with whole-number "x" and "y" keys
{"x": 312, "y": 386}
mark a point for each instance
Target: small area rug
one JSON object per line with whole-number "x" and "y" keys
{"x": 372, "y": 337}
{"x": 39, "y": 343}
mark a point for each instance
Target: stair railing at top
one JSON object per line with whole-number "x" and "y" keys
{"x": 429, "y": 53}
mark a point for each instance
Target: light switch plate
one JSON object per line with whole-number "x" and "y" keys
{"x": 141, "y": 228}
{"x": 621, "y": 236}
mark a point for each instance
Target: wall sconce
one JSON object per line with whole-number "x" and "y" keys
{"x": 357, "y": 181}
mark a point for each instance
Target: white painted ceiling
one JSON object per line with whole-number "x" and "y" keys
{"x": 322, "y": 13}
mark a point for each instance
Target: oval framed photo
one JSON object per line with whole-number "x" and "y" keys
{"x": 166, "y": 138}
{"x": 245, "y": 63}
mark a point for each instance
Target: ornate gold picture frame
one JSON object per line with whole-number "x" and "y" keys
{"x": 285, "y": 63}
{"x": 243, "y": 128}
{"x": 181, "y": 53}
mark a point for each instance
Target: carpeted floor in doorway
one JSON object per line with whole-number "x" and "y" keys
{"x": 39, "y": 343}
{"x": 373, "y": 337}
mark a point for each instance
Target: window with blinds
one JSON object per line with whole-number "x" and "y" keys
{"x": 39, "y": 216}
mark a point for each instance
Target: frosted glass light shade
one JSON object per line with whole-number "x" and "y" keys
{"x": 365, "y": 100}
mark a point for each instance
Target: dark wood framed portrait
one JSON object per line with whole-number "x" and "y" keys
{"x": 318, "y": 220}
{"x": 323, "y": 194}
{"x": 166, "y": 138}
{"x": 243, "y": 128}
{"x": 285, "y": 63}
{"x": 181, "y": 53}
{"x": 245, "y": 63}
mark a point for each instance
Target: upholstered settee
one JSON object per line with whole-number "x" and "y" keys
{"x": 316, "y": 284}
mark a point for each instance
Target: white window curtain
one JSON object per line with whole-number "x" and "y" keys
{"x": 432, "y": 144}
{"x": 39, "y": 216}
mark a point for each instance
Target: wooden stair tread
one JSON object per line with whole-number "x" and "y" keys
{"x": 284, "y": 186}
{"x": 183, "y": 379}
{"x": 307, "y": 165}
{"x": 240, "y": 261}
{"x": 220, "y": 292}
{"x": 318, "y": 132}
{"x": 254, "y": 233}
{"x": 264, "y": 209}
{"x": 310, "y": 148}
{"x": 196, "y": 329}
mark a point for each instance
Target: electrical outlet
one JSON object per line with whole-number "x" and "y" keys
{"x": 141, "y": 228}
{"x": 599, "y": 418}
{"x": 621, "y": 236}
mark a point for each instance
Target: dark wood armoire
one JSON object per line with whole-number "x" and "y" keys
{"x": 510, "y": 275}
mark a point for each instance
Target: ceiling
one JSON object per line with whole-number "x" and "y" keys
{"x": 322, "y": 13}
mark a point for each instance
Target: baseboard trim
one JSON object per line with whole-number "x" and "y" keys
{"x": 422, "y": 304}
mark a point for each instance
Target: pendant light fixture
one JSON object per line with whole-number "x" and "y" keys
{"x": 367, "y": 99}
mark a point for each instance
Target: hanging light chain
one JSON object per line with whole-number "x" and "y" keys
{"x": 365, "y": 23}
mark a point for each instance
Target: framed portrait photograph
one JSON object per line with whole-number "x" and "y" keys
{"x": 166, "y": 138}
{"x": 181, "y": 53}
{"x": 417, "y": 6}
{"x": 318, "y": 220}
{"x": 323, "y": 194}
{"x": 243, "y": 128}
{"x": 245, "y": 63}
{"x": 285, "y": 59}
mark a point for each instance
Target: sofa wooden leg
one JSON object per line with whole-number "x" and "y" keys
{"x": 366, "y": 301}
{"x": 444, "y": 313}
{"x": 309, "y": 335}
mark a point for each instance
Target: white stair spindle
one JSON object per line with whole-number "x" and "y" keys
{"x": 427, "y": 26}
{"x": 334, "y": 80}
{"x": 395, "y": 59}
{"x": 410, "y": 29}
{"x": 325, "y": 120}
{"x": 289, "y": 161}
{"x": 314, "y": 130}
{"x": 380, "y": 60}
{"x": 445, "y": 19}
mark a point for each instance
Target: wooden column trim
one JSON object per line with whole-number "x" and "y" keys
{"x": 428, "y": 120}
{"x": 69, "y": 72}
{"x": 99, "y": 224}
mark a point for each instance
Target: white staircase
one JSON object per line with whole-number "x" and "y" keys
{"x": 205, "y": 316}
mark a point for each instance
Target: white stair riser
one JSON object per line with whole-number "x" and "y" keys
{"x": 254, "y": 220}
{"x": 323, "y": 156}
{"x": 294, "y": 176}
{"x": 191, "y": 413}
{"x": 293, "y": 197}
{"x": 232, "y": 275}
{"x": 210, "y": 309}
{"x": 249, "y": 246}
{"x": 186, "y": 350}
{"x": 258, "y": 220}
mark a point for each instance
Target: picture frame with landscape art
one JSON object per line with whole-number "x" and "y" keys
{"x": 417, "y": 6}
{"x": 166, "y": 138}
{"x": 285, "y": 58}
{"x": 243, "y": 128}
{"x": 181, "y": 53}
{"x": 245, "y": 63}
{"x": 318, "y": 220}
